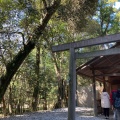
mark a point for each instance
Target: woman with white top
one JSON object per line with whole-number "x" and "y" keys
{"x": 105, "y": 103}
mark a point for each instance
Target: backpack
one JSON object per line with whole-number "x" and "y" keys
{"x": 117, "y": 100}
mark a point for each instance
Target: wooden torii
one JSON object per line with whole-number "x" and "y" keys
{"x": 72, "y": 67}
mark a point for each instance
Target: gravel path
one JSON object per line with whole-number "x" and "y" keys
{"x": 57, "y": 114}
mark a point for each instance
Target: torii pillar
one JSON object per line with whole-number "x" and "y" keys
{"x": 72, "y": 86}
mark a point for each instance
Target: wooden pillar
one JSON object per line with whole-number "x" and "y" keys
{"x": 104, "y": 83}
{"x": 76, "y": 90}
{"x": 72, "y": 86}
{"x": 94, "y": 94}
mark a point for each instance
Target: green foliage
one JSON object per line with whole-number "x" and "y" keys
{"x": 107, "y": 17}
{"x": 76, "y": 13}
{"x": 5, "y": 7}
{"x": 83, "y": 81}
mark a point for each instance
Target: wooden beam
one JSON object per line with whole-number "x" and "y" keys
{"x": 86, "y": 43}
{"x": 112, "y": 51}
{"x": 112, "y": 74}
{"x": 107, "y": 67}
{"x": 94, "y": 93}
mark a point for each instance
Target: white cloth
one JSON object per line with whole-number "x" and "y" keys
{"x": 105, "y": 100}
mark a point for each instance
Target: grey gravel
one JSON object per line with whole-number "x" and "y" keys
{"x": 82, "y": 113}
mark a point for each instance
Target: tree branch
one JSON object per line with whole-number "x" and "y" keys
{"x": 7, "y": 32}
{"x": 45, "y": 3}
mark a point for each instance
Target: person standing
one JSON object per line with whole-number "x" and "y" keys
{"x": 112, "y": 101}
{"x": 105, "y": 103}
{"x": 117, "y": 105}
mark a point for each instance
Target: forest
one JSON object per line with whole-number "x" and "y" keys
{"x": 32, "y": 76}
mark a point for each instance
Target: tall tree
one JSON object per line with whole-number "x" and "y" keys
{"x": 107, "y": 17}
{"x": 12, "y": 66}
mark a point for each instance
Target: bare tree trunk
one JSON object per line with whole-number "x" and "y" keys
{"x": 4, "y": 107}
{"x": 36, "y": 88}
{"x": 45, "y": 102}
{"x": 10, "y": 101}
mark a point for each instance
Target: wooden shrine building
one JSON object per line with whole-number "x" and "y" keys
{"x": 105, "y": 70}
{"x": 105, "y": 67}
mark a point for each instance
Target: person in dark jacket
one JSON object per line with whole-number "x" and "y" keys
{"x": 112, "y": 100}
{"x": 117, "y": 105}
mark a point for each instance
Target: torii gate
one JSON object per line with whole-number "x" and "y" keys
{"x": 72, "y": 67}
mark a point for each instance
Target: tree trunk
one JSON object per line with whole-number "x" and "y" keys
{"x": 36, "y": 89}
{"x": 45, "y": 102}
{"x": 10, "y": 101}
{"x": 4, "y": 107}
